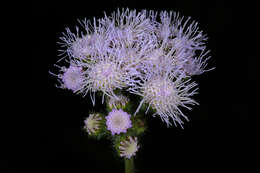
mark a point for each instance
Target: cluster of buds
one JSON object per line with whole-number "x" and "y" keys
{"x": 119, "y": 125}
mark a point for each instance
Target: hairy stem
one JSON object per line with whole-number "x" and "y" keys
{"x": 129, "y": 165}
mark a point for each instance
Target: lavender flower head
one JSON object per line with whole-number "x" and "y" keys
{"x": 118, "y": 121}
{"x": 135, "y": 52}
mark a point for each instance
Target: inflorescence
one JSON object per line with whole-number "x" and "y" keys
{"x": 148, "y": 54}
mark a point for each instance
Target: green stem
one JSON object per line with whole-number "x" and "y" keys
{"x": 129, "y": 165}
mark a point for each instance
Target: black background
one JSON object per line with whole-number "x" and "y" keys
{"x": 216, "y": 138}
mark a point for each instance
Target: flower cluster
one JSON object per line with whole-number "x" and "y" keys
{"x": 150, "y": 54}
{"x": 117, "y": 123}
{"x": 133, "y": 57}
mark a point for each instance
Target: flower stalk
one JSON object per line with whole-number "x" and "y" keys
{"x": 129, "y": 165}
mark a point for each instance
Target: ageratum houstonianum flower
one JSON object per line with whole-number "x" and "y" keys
{"x": 183, "y": 38}
{"x": 118, "y": 121}
{"x": 146, "y": 53}
{"x": 165, "y": 90}
{"x": 73, "y": 78}
{"x": 70, "y": 78}
{"x": 166, "y": 95}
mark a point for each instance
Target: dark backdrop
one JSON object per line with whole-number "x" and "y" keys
{"x": 218, "y": 128}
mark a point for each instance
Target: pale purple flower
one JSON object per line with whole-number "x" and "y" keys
{"x": 182, "y": 38}
{"x": 128, "y": 147}
{"x": 73, "y": 78}
{"x": 105, "y": 76}
{"x": 166, "y": 94}
{"x": 118, "y": 121}
{"x": 70, "y": 78}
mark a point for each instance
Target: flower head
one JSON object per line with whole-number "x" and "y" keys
{"x": 129, "y": 147}
{"x": 118, "y": 121}
{"x": 82, "y": 47}
{"x": 72, "y": 77}
{"x": 105, "y": 76}
{"x": 166, "y": 94}
{"x": 92, "y": 123}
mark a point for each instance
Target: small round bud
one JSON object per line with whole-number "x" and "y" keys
{"x": 128, "y": 147}
{"x": 92, "y": 123}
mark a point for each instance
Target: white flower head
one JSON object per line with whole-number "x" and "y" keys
{"x": 166, "y": 94}
{"x": 183, "y": 37}
{"x": 105, "y": 76}
{"x": 129, "y": 147}
{"x": 118, "y": 121}
{"x": 92, "y": 123}
{"x": 82, "y": 47}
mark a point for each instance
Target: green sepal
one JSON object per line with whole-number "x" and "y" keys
{"x": 116, "y": 139}
{"x": 138, "y": 125}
